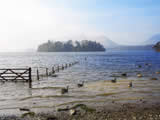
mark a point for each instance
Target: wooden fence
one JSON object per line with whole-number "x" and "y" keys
{"x": 25, "y": 74}
{"x": 16, "y": 74}
{"x": 52, "y": 70}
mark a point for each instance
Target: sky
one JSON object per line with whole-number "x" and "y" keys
{"x": 24, "y": 24}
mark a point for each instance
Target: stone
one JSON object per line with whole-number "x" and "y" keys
{"x": 139, "y": 75}
{"x": 54, "y": 75}
{"x": 124, "y": 74}
{"x": 24, "y": 109}
{"x": 154, "y": 79}
{"x": 72, "y": 112}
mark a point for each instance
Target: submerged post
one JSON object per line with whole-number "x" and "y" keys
{"x": 53, "y": 71}
{"x": 58, "y": 68}
{"x": 37, "y": 74}
{"x": 46, "y": 71}
{"x": 62, "y": 67}
{"x": 30, "y": 78}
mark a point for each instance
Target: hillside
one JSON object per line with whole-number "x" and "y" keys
{"x": 106, "y": 42}
{"x": 153, "y": 40}
{"x": 157, "y": 46}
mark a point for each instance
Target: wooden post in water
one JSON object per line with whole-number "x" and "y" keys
{"x": 62, "y": 67}
{"x": 53, "y": 71}
{"x": 46, "y": 71}
{"x": 30, "y": 78}
{"x": 58, "y": 68}
{"x": 37, "y": 74}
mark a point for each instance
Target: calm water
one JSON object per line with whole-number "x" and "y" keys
{"x": 96, "y": 71}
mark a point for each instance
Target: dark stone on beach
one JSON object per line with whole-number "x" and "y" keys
{"x": 114, "y": 80}
{"x": 130, "y": 84}
{"x": 30, "y": 114}
{"x": 139, "y": 75}
{"x": 124, "y": 74}
{"x": 72, "y": 111}
{"x": 24, "y": 109}
{"x": 154, "y": 79}
{"x": 80, "y": 84}
{"x": 158, "y": 72}
{"x": 62, "y": 109}
{"x": 147, "y": 64}
{"x": 51, "y": 118}
{"x": 54, "y": 75}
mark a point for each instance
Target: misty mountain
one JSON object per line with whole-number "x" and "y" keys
{"x": 153, "y": 40}
{"x": 107, "y": 43}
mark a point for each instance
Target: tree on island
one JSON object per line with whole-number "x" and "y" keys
{"x": 157, "y": 46}
{"x": 70, "y": 46}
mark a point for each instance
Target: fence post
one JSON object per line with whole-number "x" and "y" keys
{"x": 37, "y": 74}
{"x": 58, "y": 68}
{"x": 30, "y": 78}
{"x": 46, "y": 71}
{"x": 53, "y": 71}
{"x": 62, "y": 67}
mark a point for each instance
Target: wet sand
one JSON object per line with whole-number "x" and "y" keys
{"x": 99, "y": 100}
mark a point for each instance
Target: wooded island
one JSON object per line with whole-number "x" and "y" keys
{"x": 70, "y": 46}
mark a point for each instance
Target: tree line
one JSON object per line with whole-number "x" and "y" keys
{"x": 70, "y": 46}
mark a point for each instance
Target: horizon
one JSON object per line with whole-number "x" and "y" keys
{"x": 26, "y": 24}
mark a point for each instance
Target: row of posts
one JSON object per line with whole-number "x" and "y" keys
{"x": 57, "y": 68}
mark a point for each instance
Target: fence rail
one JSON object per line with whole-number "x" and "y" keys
{"x": 15, "y": 74}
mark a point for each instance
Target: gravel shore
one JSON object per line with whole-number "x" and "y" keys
{"x": 127, "y": 111}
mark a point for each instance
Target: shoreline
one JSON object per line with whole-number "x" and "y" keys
{"x": 103, "y": 102}
{"x": 144, "y": 110}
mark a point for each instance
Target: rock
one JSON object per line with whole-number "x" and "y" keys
{"x": 64, "y": 90}
{"x": 80, "y": 84}
{"x": 24, "y": 109}
{"x": 72, "y": 112}
{"x": 30, "y": 114}
{"x": 54, "y": 75}
{"x": 154, "y": 79}
{"x": 51, "y": 118}
{"x": 130, "y": 84}
{"x": 158, "y": 72}
{"x": 148, "y": 64}
{"x": 114, "y": 80}
{"x": 134, "y": 118}
{"x": 62, "y": 109}
{"x": 124, "y": 74}
{"x": 139, "y": 75}
{"x": 139, "y": 66}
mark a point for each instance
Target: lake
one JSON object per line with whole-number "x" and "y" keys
{"x": 97, "y": 71}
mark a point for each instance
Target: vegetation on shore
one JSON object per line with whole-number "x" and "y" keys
{"x": 157, "y": 46}
{"x": 70, "y": 46}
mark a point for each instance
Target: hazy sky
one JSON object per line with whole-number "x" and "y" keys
{"x": 26, "y": 23}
